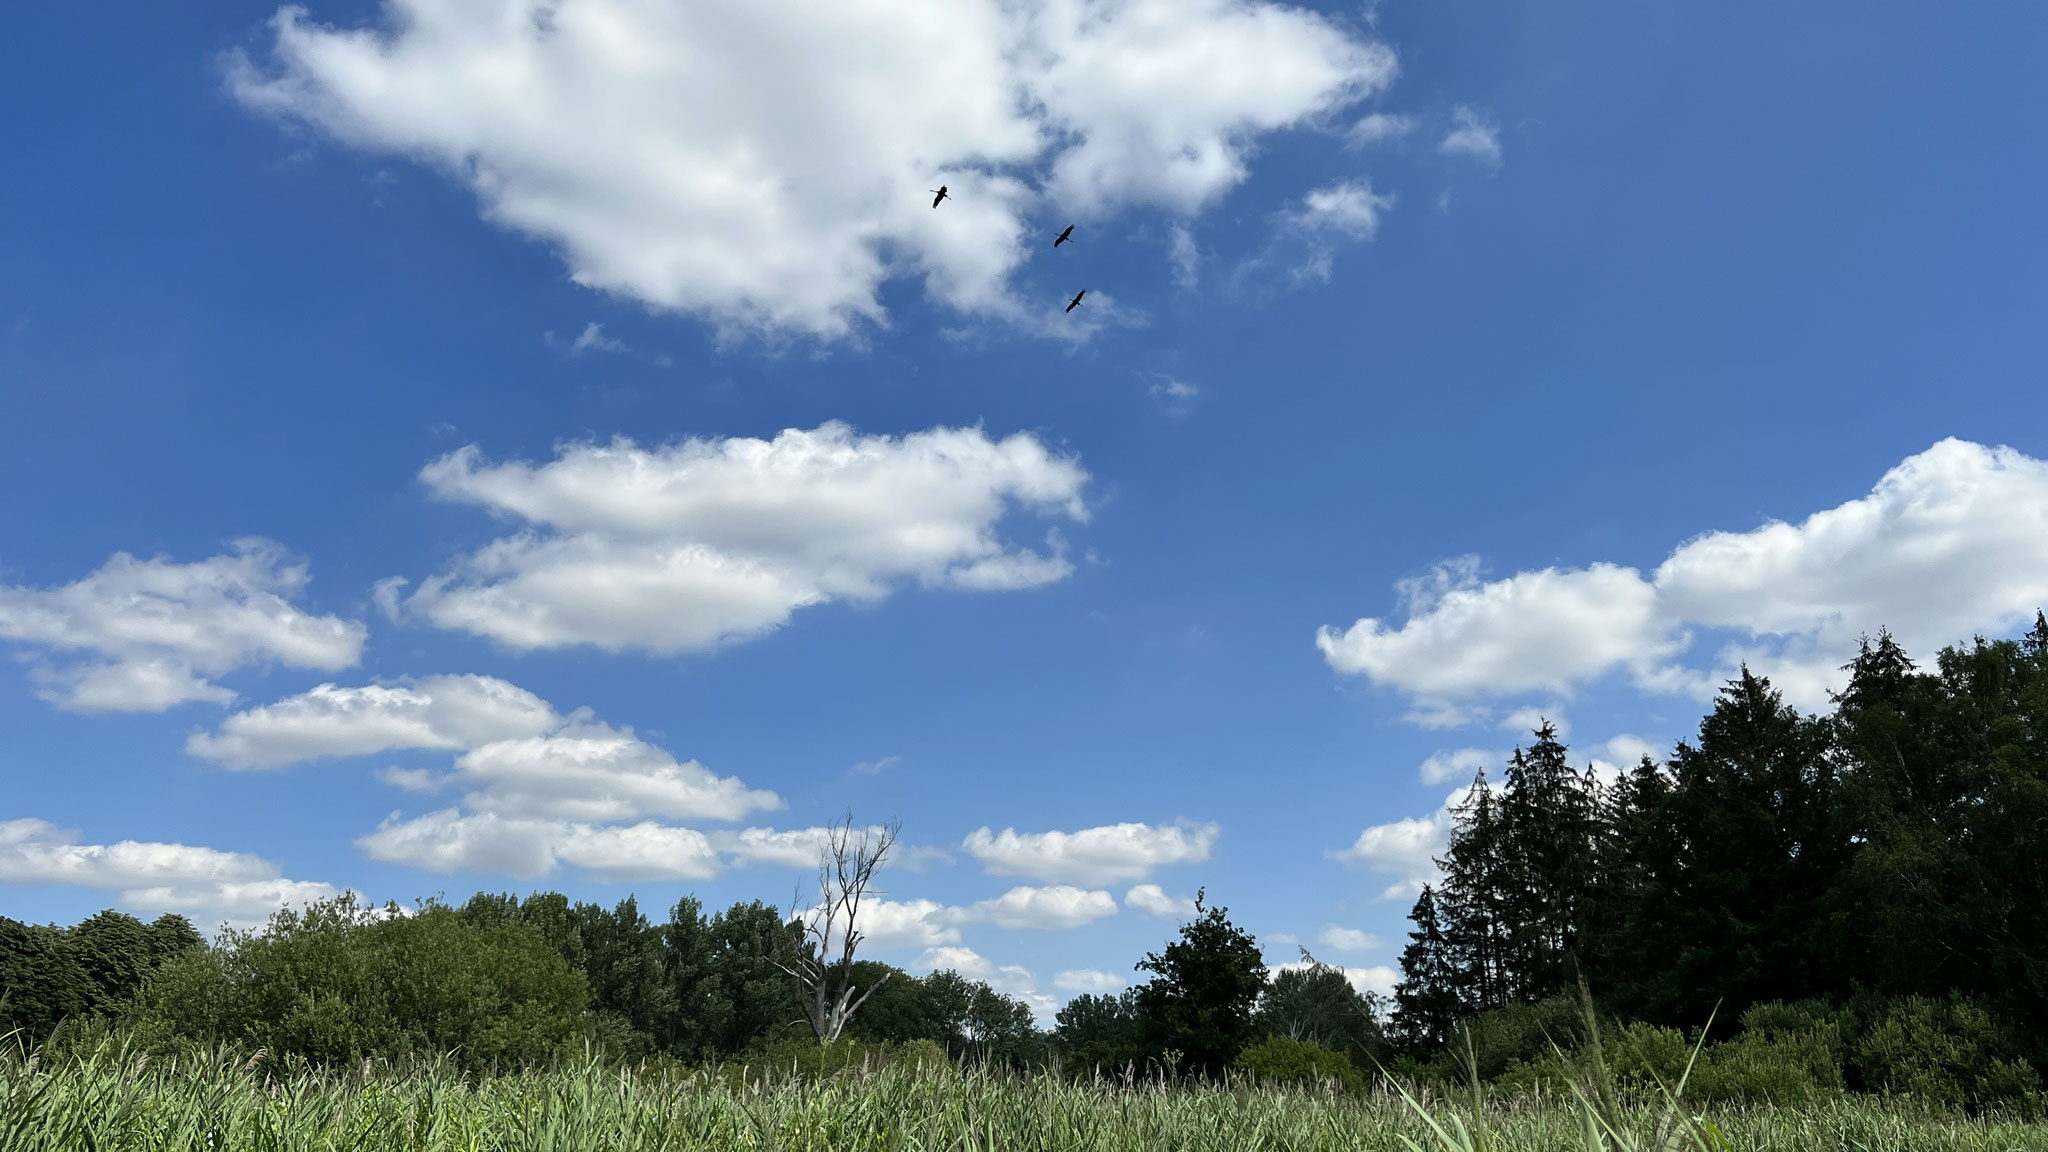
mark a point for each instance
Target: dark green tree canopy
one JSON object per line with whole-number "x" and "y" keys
{"x": 1204, "y": 991}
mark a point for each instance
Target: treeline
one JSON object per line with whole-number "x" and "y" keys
{"x": 498, "y": 981}
{"x": 1875, "y": 874}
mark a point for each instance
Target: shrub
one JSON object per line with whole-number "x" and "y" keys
{"x": 1769, "y": 1068}
{"x": 1945, "y": 1053}
{"x": 1279, "y": 1060}
{"x": 1642, "y": 1055}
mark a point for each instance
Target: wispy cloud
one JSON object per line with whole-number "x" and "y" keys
{"x": 1473, "y": 133}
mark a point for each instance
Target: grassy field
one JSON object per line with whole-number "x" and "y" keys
{"x": 106, "y": 1101}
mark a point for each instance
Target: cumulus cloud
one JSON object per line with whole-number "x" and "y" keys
{"x": 1079, "y": 980}
{"x": 702, "y": 542}
{"x": 1011, "y": 980}
{"x": 1473, "y": 133}
{"x": 208, "y": 885}
{"x": 1153, "y": 899}
{"x": 1460, "y": 764}
{"x": 1378, "y": 979}
{"x": 527, "y": 848}
{"x": 433, "y": 712}
{"x": 1952, "y": 542}
{"x": 766, "y": 167}
{"x": 1348, "y": 939}
{"x": 1408, "y": 847}
{"x": 1052, "y": 908}
{"x": 590, "y": 771}
{"x": 147, "y": 635}
{"x": 908, "y": 923}
{"x": 1106, "y": 855}
{"x": 538, "y": 789}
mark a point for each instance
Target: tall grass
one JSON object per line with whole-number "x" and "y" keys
{"x": 107, "y": 1098}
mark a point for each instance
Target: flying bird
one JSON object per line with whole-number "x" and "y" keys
{"x": 1076, "y": 301}
{"x": 941, "y": 190}
{"x": 1064, "y": 236}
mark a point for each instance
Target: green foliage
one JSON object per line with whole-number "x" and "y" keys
{"x": 1782, "y": 1068}
{"x": 1948, "y": 1053}
{"x": 1317, "y": 1003}
{"x": 1280, "y": 1060}
{"x": 1196, "y": 1011}
{"x": 339, "y": 983}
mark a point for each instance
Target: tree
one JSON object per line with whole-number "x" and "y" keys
{"x": 846, "y": 870}
{"x": 1096, "y": 1031}
{"x": 1316, "y": 1003}
{"x": 41, "y": 983}
{"x": 1428, "y": 1001}
{"x": 340, "y": 982}
{"x": 1205, "y": 988}
{"x": 754, "y": 946}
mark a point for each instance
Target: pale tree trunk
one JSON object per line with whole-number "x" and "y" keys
{"x": 846, "y": 869}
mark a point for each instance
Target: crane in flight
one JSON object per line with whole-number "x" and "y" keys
{"x": 1076, "y": 301}
{"x": 1064, "y": 236}
{"x": 941, "y": 190}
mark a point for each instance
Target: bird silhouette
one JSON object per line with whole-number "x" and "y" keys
{"x": 1076, "y": 301}
{"x": 941, "y": 190}
{"x": 1064, "y": 236}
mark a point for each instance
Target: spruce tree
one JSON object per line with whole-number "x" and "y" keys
{"x": 1428, "y": 1002}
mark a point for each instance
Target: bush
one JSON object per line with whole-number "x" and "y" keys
{"x": 806, "y": 1059}
{"x": 1642, "y": 1055}
{"x": 1949, "y": 1054}
{"x": 1279, "y": 1060}
{"x": 1521, "y": 1033}
{"x": 1769, "y": 1068}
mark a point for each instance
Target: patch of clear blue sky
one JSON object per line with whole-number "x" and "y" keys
{"x": 1739, "y": 260}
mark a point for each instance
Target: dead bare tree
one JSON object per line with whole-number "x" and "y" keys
{"x": 846, "y": 869}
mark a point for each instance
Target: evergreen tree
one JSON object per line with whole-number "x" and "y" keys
{"x": 1738, "y": 918}
{"x": 1429, "y": 1001}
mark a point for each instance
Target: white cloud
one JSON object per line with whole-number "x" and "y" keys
{"x": 1535, "y": 631}
{"x": 1348, "y": 939}
{"x": 1378, "y": 978}
{"x": 1011, "y": 980}
{"x": 701, "y": 542}
{"x": 1526, "y": 721}
{"x": 528, "y": 848}
{"x": 1172, "y": 389}
{"x": 766, "y": 167}
{"x": 1460, "y": 764}
{"x": 1345, "y": 211}
{"x": 1623, "y": 753}
{"x": 908, "y": 924}
{"x": 435, "y": 712}
{"x": 1153, "y": 899}
{"x": 589, "y": 771}
{"x": 1408, "y": 847}
{"x": 1079, "y": 980}
{"x": 1950, "y": 543}
{"x": 593, "y": 337}
{"x": 1473, "y": 133}
{"x": 148, "y": 635}
{"x": 1379, "y": 127}
{"x": 1053, "y": 908}
{"x": 1106, "y": 855}
{"x": 1183, "y": 256}
{"x": 206, "y": 884}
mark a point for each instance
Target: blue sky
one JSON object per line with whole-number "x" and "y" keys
{"x": 1440, "y": 367}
